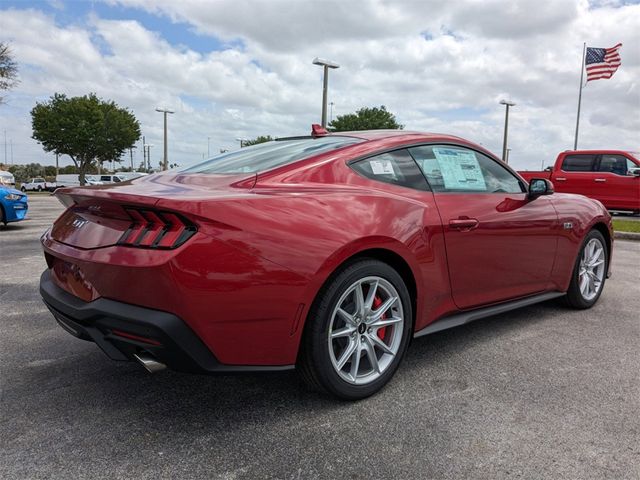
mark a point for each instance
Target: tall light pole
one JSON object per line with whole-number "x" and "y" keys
{"x": 331, "y": 104}
{"x": 165, "y": 162}
{"x": 241, "y": 140}
{"x": 131, "y": 156}
{"x": 147, "y": 150}
{"x": 507, "y": 104}
{"x": 208, "y": 147}
{"x": 326, "y": 65}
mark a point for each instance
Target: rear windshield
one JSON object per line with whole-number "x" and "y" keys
{"x": 269, "y": 155}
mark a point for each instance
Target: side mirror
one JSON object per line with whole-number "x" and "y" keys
{"x": 634, "y": 172}
{"x": 539, "y": 187}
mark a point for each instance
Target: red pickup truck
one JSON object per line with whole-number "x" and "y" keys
{"x": 611, "y": 176}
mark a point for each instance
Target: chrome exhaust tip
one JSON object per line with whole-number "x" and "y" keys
{"x": 150, "y": 364}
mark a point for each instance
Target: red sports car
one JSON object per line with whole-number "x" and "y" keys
{"x": 327, "y": 253}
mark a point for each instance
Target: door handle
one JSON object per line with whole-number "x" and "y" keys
{"x": 600, "y": 180}
{"x": 560, "y": 179}
{"x": 464, "y": 223}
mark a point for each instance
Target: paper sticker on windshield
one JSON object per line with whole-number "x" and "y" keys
{"x": 381, "y": 167}
{"x": 460, "y": 169}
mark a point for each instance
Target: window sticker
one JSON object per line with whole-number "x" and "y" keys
{"x": 381, "y": 167}
{"x": 460, "y": 169}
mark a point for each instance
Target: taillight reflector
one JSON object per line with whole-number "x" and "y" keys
{"x": 156, "y": 229}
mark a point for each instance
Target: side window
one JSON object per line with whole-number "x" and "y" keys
{"x": 39, "y": 180}
{"x": 105, "y": 178}
{"x": 457, "y": 169}
{"x": 116, "y": 179}
{"x": 579, "y": 163}
{"x": 615, "y": 164}
{"x": 396, "y": 167}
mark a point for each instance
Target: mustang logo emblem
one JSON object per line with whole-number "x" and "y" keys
{"x": 79, "y": 222}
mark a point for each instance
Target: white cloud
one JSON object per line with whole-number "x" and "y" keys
{"x": 439, "y": 66}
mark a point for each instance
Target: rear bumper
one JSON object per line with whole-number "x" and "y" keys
{"x": 122, "y": 330}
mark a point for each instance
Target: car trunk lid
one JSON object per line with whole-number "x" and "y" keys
{"x": 99, "y": 216}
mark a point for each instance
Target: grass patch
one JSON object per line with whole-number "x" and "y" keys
{"x": 626, "y": 226}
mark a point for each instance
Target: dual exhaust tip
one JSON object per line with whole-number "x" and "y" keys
{"x": 150, "y": 364}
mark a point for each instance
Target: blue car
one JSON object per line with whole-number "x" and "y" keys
{"x": 13, "y": 205}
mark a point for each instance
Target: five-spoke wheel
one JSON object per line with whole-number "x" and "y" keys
{"x": 357, "y": 331}
{"x": 365, "y": 332}
{"x": 590, "y": 272}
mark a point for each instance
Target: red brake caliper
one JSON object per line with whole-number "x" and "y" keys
{"x": 377, "y": 301}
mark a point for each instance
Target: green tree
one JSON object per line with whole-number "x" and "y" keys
{"x": 257, "y": 140}
{"x": 367, "y": 118}
{"x": 68, "y": 170}
{"x": 8, "y": 69}
{"x": 88, "y": 129}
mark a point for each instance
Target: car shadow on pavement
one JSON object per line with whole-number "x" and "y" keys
{"x": 17, "y": 226}
{"x": 83, "y": 372}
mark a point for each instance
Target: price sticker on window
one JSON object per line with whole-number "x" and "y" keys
{"x": 382, "y": 167}
{"x": 460, "y": 169}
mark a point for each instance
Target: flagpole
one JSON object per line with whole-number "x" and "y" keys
{"x": 584, "y": 49}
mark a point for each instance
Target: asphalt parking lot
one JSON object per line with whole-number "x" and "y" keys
{"x": 544, "y": 392}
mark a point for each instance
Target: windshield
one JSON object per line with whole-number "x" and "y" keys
{"x": 269, "y": 155}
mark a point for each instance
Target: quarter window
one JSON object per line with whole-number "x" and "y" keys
{"x": 458, "y": 169}
{"x": 397, "y": 168}
{"x": 579, "y": 163}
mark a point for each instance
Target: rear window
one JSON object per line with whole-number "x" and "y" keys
{"x": 269, "y": 155}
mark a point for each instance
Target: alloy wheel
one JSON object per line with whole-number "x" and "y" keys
{"x": 591, "y": 270}
{"x": 365, "y": 330}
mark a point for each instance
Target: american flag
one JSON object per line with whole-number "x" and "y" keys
{"x": 602, "y": 62}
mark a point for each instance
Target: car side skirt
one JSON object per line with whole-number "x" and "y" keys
{"x": 462, "y": 318}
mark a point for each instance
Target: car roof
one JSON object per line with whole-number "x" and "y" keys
{"x": 610, "y": 151}
{"x": 387, "y": 133}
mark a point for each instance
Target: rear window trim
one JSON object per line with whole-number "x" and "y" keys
{"x": 356, "y": 141}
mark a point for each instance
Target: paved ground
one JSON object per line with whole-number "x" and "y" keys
{"x": 626, "y": 216}
{"x": 544, "y": 392}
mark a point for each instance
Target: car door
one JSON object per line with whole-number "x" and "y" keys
{"x": 612, "y": 184}
{"x": 576, "y": 174}
{"x": 500, "y": 245}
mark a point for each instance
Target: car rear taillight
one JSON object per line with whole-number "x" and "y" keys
{"x": 156, "y": 229}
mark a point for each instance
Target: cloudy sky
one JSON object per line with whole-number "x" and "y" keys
{"x": 235, "y": 68}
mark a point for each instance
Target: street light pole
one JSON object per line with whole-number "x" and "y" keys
{"x": 241, "y": 140}
{"x": 326, "y": 65}
{"x": 208, "y": 147}
{"x": 165, "y": 162}
{"x": 131, "y": 155}
{"x": 507, "y": 104}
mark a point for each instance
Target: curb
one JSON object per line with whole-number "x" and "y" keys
{"x": 626, "y": 236}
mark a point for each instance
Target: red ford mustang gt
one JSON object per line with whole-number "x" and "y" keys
{"x": 327, "y": 253}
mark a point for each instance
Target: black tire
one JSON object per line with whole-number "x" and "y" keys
{"x": 24, "y": 190}
{"x": 574, "y": 297}
{"x": 39, "y": 188}
{"x": 3, "y": 220}
{"x": 315, "y": 365}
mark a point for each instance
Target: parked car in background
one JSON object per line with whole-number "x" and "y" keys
{"x": 327, "y": 253}
{"x": 107, "y": 179}
{"x": 124, "y": 176}
{"x": 73, "y": 180}
{"x": 37, "y": 184}
{"x": 13, "y": 204}
{"x": 7, "y": 179}
{"x": 610, "y": 176}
